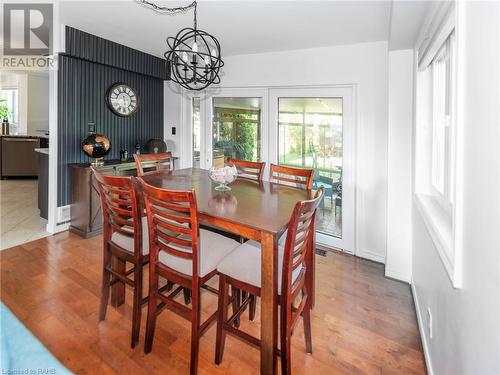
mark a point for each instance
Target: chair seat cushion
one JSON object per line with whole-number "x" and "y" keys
{"x": 127, "y": 242}
{"x": 244, "y": 264}
{"x": 213, "y": 248}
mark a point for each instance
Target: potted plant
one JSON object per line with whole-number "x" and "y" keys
{"x": 4, "y": 110}
{"x": 4, "y": 115}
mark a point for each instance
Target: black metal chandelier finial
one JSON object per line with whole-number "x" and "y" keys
{"x": 194, "y": 56}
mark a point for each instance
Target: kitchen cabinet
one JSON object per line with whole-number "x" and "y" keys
{"x": 18, "y": 156}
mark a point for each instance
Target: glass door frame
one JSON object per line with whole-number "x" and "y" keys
{"x": 269, "y": 142}
{"x": 235, "y": 93}
{"x": 347, "y": 242}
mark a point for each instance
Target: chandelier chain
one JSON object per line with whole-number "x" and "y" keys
{"x": 194, "y": 56}
{"x": 167, "y": 10}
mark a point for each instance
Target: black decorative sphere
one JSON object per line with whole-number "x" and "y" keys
{"x": 96, "y": 146}
{"x": 154, "y": 146}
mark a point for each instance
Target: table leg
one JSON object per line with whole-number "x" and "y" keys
{"x": 269, "y": 308}
{"x": 118, "y": 290}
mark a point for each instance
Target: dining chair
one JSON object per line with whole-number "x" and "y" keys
{"x": 189, "y": 258}
{"x": 253, "y": 171}
{"x": 242, "y": 268}
{"x": 125, "y": 237}
{"x": 162, "y": 160}
{"x": 248, "y": 169}
{"x": 296, "y": 177}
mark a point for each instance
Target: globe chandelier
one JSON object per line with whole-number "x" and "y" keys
{"x": 194, "y": 56}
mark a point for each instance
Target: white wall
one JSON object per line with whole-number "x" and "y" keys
{"x": 38, "y": 103}
{"x": 466, "y": 321}
{"x": 172, "y": 116}
{"x": 364, "y": 65}
{"x": 399, "y": 182}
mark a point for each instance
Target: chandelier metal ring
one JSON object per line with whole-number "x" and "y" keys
{"x": 194, "y": 56}
{"x": 194, "y": 68}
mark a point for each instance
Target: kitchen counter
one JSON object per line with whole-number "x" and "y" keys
{"x": 24, "y": 136}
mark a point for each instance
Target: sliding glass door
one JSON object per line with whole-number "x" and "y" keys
{"x": 310, "y": 136}
{"x": 312, "y": 128}
{"x": 298, "y": 127}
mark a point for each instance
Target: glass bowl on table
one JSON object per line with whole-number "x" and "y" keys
{"x": 223, "y": 177}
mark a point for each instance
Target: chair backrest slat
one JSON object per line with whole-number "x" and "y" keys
{"x": 121, "y": 208}
{"x": 173, "y": 224}
{"x": 297, "y": 177}
{"x": 248, "y": 169}
{"x": 298, "y": 246}
{"x": 170, "y": 250}
{"x": 160, "y": 161}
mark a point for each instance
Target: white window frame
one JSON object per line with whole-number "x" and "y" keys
{"x": 440, "y": 203}
{"x": 443, "y": 126}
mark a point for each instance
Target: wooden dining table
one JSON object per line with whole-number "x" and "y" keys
{"x": 255, "y": 210}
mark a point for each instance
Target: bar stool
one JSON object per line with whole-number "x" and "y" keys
{"x": 242, "y": 269}
{"x": 160, "y": 161}
{"x": 125, "y": 237}
{"x": 248, "y": 169}
{"x": 189, "y": 258}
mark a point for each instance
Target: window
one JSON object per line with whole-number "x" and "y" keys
{"x": 443, "y": 124}
{"x": 435, "y": 149}
{"x": 10, "y": 99}
{"x": 236, "y": 129}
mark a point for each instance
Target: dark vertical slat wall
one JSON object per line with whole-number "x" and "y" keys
{"x": 92, "y": 48}
{"x": 84, "y": 76}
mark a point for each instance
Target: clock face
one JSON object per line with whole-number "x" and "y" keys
{"x": 122, "y": 99}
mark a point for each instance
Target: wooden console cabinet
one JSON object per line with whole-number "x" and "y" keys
{"x": 86, "y": 217}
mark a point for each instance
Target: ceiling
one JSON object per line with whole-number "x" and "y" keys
{"x": 245, "y": 27}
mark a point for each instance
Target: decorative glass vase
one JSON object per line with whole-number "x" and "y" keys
{"x": 223, "y": 177}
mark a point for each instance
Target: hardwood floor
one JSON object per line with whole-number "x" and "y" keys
{"x": 362, "y": 323}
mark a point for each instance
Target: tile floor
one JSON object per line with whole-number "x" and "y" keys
{"x": 19, "y": 215}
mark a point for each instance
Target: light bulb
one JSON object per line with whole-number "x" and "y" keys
{"x": 195, "y": 47}
{"x": 184, "y": 56}
{"x": 207, "y": 60}
{"x": 213, "y": 53}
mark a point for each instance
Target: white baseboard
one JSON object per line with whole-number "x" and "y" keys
{"x": 397, "y": 275}
{"x": 371, "y": 256}
{"x": 421, "y": 326}
{"x": 58, "y": 228}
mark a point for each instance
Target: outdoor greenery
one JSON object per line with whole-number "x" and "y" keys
{"x": 236, "y": 133}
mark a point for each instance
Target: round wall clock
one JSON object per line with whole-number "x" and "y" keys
{"x": 122, "y": 99}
